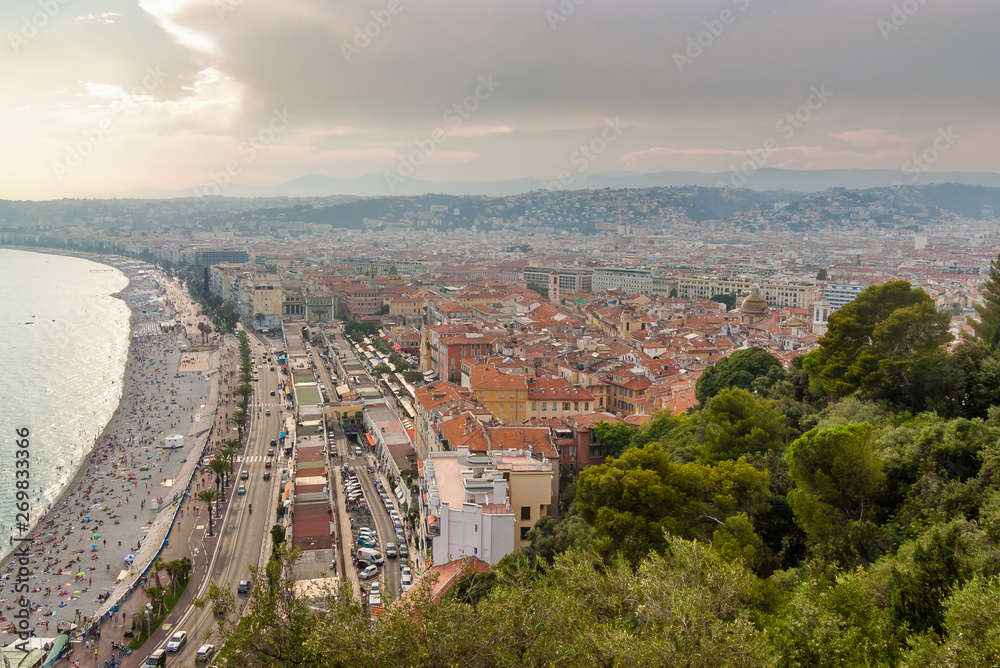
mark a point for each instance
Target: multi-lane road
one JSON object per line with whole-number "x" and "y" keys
{"x": 243, "y": 533}
{"x": 244, "y": 536}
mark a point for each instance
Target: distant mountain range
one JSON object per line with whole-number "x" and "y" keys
{"x": 377, "y": 185}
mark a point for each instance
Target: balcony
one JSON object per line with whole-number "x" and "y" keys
{"x": 433, "y": 525}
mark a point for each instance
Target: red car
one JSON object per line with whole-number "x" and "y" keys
{"x": 267, "y": 464}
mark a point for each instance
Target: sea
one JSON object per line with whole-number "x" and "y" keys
{"x": 63, "y": 347}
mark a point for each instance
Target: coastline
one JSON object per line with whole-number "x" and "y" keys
{"x": 106, "y": 484}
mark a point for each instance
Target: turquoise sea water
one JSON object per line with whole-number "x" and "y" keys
{"x": 60, "y": 375}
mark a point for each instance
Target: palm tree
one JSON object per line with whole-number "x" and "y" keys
{"x": 208, "y": 496}
{"x": 258, "y": 318}
{"x": 229, "y": 454}
{"x": 156, "y": 596}
{"x": 140, "y": 622}
{"x": 158, "y": 566}
{"x": 240, "y": 418}
{"x": 218, "y": 468}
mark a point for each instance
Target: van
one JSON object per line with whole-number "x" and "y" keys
{"x": 370, "y": 554}
{"x": 157, "y": 658}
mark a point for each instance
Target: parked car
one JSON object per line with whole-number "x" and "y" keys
{"x": 404, "y": 552}
{"x": 369, "y": 572}
{"x": 177, "y": 641}
{"x": 370, "y": 554}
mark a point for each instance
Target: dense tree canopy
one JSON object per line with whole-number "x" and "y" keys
{"x": 886, "y": 343}
{"x": 987, "y": 327}
{"x": 740, "y": 369}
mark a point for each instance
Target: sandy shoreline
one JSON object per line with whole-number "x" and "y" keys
{"x": 77, "y": 555}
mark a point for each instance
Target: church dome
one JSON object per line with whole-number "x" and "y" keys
{"x": 754, "y": 304}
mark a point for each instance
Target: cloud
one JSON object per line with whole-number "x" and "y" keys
{"x": 107, "y": 18}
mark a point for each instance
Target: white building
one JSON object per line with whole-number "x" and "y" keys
{"x": 465, "y": 508}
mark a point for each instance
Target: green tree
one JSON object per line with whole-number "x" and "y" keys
{"x": 980, "y": 365}
{"x": 634, "y": 502}
{"x": 987, "y": 327}
{"x": 208, "y": 497}
{"x": 613, "y": 437}
{"x": 838, "y": 476}
{"x": 918, "y": 593}
{"x": 740, "y": 369}
{"x": 738, "y": 423}
{"x": 887, "y": 343}
{"x": 728, "y": 299}
{"x": 970, "y": 636}
{"x": 277, "y": 535}
{"x": 821, "y": 275}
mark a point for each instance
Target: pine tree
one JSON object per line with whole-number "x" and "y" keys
{"x": 987, "y": 328}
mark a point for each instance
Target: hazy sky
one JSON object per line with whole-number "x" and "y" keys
{"x": 104, "y": 96}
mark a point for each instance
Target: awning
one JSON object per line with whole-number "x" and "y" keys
{"x": 371, "y": 441}
{"x": 431, "y": 519}
{"x": 281, "y": 435}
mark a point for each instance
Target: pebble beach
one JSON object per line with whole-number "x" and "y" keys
{"x": 111, "y": 519}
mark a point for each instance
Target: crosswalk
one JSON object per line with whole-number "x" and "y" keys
{"x": 253, "y": 459}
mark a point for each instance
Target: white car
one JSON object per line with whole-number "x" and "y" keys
{"x": 370, "y": 572}
{"x": 205, "y": 652}
{"x": 406, "y": 579}
{"x": 177, "y": 641}
{"x": 375, "y": 595}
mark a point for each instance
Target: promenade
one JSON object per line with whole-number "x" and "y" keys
{"x": 122, "y": 500}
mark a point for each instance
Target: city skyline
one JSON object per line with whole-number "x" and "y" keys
{"x": 104, "y": 97}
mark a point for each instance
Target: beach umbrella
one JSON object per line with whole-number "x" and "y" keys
{"x": 80, "y": 573}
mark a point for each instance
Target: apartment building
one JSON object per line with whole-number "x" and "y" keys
{"x": 570, "y": 279}
{"x": 464, "y": 508}
{"x": 630, "y": 279}
{"x": 481, "y": 505}
{"x": 794, "y": 295}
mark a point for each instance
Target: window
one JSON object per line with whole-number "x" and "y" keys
{"x": 565, "y": 405}
{"x": 586, "y": 405}
{"x": 522, "y": 395}
{"x": 512, "y": 408}
{"x": 524, "y": 532}
{"x": 544, "y": 405}
{"x": 534, "y": 405}
{"x": 572, "y": 451}
{"x": 501, "y": 394}
{"x": 525, "y": 512}
{"x": 501, "y": 408}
